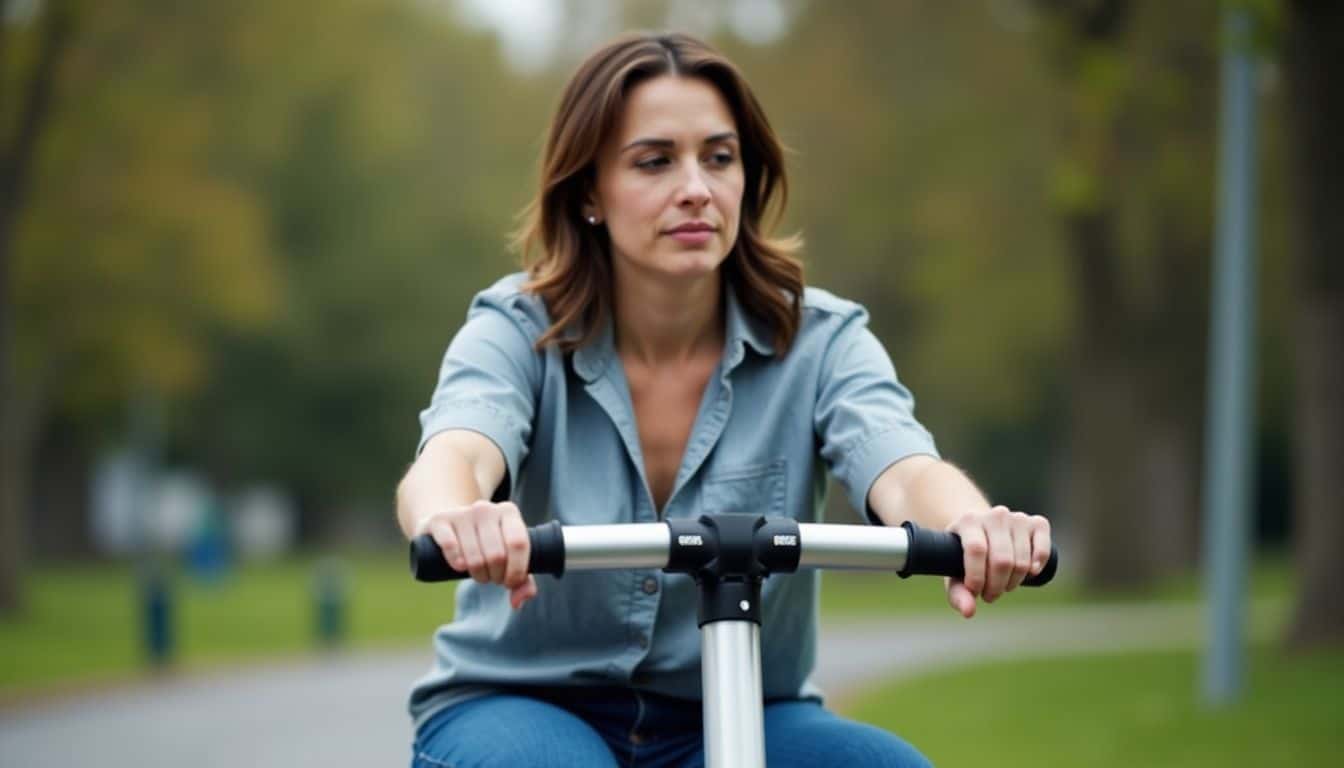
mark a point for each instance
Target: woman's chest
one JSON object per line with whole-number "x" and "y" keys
{"x": 626, "y": 448}
{"x": 665, "y": 408}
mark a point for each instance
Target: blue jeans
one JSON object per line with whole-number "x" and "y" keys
{"x": 611, "y": 727}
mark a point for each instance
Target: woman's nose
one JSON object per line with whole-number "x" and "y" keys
{"x": 694, "y": 187}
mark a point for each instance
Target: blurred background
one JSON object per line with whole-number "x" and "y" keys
{"x": 236, "y": 237}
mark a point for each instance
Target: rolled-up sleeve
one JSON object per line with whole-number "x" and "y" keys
{"x": 864, "y": 416}
{"x": 488, "y": 383}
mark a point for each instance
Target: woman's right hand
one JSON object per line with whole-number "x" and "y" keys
{"x": 490, "y": 542}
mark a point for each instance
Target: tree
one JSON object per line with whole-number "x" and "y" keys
{"x": 273, "y": 241}
{"x": 128, "y": 245}
{"x": 1167, "y": 194}
{"x": 1084, "y": 41}
{"x": 1134, "y": 197}
{"x": 1313, "y": 68}
{"x": 18, "y": 404}
{"x": 917, "y": 184}
{"x": 390, "y": 185}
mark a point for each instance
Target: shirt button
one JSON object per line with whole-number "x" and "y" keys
{"x": 643, "y": 642}
{"x": 650, "y": 585}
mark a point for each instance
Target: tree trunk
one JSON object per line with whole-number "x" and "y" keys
{"x": 1174, "y": 393}
{"x": 15, "y": 419}
{"x": 1104, "y": 514}
{"x": 1106, "y": 507}
{"x": 1314, "y": 68}
{"x": 1318, "y": 618}
{"x": 11, "y": 473}
{"x": 21, "y": 414}
{"x": 1170, "y": 495}
{"x": 60, "y": 495}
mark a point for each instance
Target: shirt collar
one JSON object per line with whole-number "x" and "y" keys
{"x": 591, "y": 359}
{"x": 741, "y": 330}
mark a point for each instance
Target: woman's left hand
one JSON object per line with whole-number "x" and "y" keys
{"x": 1002, "y": 547}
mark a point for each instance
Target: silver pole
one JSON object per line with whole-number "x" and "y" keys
{"x": 1227, "y": 480}
{"x": 628, "y": 545}
{"x": 734, "y": 704}
{"x": 648, "y": 545}
{"x": 855, "y": 547}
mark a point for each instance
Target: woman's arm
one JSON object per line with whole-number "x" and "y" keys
{"x": 446, "y": 493}
{"x": 1002, "y": 547}
{"x": 450, "y": 472}
{"x": 926, "y": 491}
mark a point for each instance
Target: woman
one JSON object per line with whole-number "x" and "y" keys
{"x": 660, "y": 358}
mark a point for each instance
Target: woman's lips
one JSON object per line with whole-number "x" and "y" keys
{"x": 691, "y": 236}
{"x": 692, "y": 233}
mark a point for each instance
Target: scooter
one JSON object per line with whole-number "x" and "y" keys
{"x": 729, "y": 556}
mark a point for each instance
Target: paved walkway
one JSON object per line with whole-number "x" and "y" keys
{"x": 348, "y": 709}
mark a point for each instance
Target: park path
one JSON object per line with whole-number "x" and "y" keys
{"x": 348, "y": 709}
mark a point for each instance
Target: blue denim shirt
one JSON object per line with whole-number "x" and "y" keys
{"x": 768, "y": 429}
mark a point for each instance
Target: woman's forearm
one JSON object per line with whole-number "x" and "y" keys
{"x": 450, "y": 472}
{"x": 926, "y": 491}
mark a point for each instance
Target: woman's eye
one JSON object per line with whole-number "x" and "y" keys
{"x": 652, "y": 163}
{"x": 722, "y": 158}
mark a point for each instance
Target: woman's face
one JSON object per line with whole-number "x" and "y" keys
{"x": 670, "y": 179}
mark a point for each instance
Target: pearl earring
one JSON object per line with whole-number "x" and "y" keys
{"x": 592, "y": 220}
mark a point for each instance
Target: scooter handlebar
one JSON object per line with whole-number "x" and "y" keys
{"x": 911, "y": 551}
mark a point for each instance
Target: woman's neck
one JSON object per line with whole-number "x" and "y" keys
{"x": 659, "y": 322}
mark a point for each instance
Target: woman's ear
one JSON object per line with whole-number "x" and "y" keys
{"x": 592, "y": 208}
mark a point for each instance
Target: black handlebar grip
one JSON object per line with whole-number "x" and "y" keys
{"x": 547, "y": 556}
{"x": 938, "y": 553}
{"x": 1047, "y": 573}
{"x": 427, "y": 563}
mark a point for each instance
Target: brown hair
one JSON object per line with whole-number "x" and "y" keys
{"x": 573, "y": 272}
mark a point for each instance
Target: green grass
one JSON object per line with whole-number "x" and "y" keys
{"x": 83, "y": 624}
{"x": 849, "y": 593}
{"x": 1121, "y": 710}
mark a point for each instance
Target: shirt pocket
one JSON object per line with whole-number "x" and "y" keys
{"x": 746, "y": 490}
